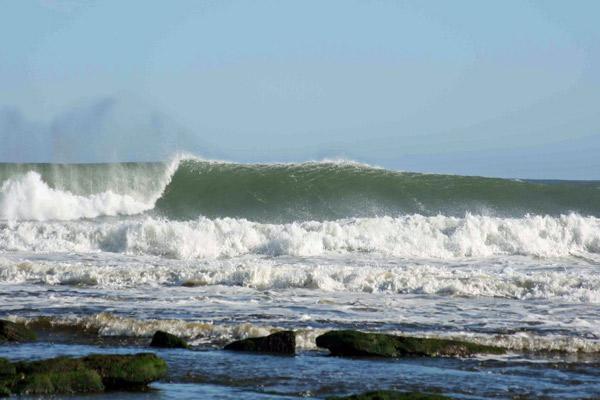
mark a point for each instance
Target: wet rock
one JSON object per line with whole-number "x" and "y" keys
{"x": 191, "y": 283}
{"x": 127, "y": 371}
{"x": 12, "y": 332}
{"x": 278, "y": 343}
{"x": 82, "y": 381}
{"x": 91, "y": 374}
{"x": 166, "y": 340}
{"x": 359, "y": 344}
{"x": 391, "y": 395}
{"x": 6, "y": 368}
{"x": 62, "y": 375}
{"x": 7, "y": 376}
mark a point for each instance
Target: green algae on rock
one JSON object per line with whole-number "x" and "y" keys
{"x": 6, "y": 368}
{"x": 360, "y": 344}
{"x": 91, "y": 374}
{"x": 166, "y": 340}
{"x": 7, "y": 375}
{"x": 13, "y": 332}
{"x": 61, "y": 375}
{"x": 283, "y": 342}
{"x": 127, "y": 371}
{"x": 391, "y": 395}
{"x": 71, "y": 382}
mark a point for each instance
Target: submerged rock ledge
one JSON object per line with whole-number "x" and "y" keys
{"x": 283, "y": 342}
{"x": 360, "y": 344}
{"x": 166, "y": 340}
{"x": 13, "y": 332}
{"x": 90, "y": 374}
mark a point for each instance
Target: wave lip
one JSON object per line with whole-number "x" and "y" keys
{"x": 81, "y": 191}
{"x": 30, "y": 198}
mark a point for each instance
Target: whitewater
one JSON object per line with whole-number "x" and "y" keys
{"x": 215, "y": 251}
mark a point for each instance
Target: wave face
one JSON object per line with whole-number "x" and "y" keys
{"x": 278, "y": 193}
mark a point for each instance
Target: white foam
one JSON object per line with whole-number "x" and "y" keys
{"x": 207, "y": 332}
{"x": 575, "y": 285}
{"x": 27, "y": 197}
{"x": 413, "y": 236}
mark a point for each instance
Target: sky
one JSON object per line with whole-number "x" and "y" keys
{"x": 504, "y": 88}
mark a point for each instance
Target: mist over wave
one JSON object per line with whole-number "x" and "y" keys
{"x": 187, "y": 188}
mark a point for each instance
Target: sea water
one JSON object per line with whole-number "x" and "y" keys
{"x": 213, "y": 251}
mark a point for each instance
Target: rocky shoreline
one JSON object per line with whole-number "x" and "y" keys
{"x": 107, "y": 372}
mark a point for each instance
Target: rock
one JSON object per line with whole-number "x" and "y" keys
{"x": 166, "y": 340}
{"x": 191, "y": 283}
{"x": 62, "y": 375}
{"x": 127, "y": 371}
{"x": 279, "y": 343}
{"x": 58, "y": 364}
{"x": 391, "y": 395}
{"x": 12, "y": 332}
{"x": 6, "y": 368}
{"x": 357, "y": 344}
{"x": 81, "y": 381}
{"x": 7, "y": 375}
{"x": 94, "y": 373}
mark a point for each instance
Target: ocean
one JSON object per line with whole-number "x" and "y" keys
{"x": 102, "y": 255}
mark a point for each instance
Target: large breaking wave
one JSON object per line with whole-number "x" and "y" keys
{"x": 187, "y": 188}
{"x": 194, "y": 209}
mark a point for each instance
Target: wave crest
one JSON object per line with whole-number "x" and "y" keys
{"x": 30, "y": 198}
{"x": 188, "y": 187}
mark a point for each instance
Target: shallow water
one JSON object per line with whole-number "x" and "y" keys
{"x": 222, "y": 374}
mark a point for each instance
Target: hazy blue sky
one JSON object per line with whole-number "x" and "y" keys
{"x": 503, "y": 88}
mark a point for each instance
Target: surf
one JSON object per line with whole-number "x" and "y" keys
{"x": 412, "y": 236}
{"x": 186, "y": 188}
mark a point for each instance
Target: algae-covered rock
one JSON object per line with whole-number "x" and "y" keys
{"x": 95, "y": 373}
{"x": 58, "y": 364}
{"x": 13, "y": 332}
{"x": 6, "y": 368}
{"x": 166, "y": 340}
{"x": 61, "y": 375}
{"x": 7, "y": 376}
{"x": 80, "y": 381}
{"x": 391, "y": 395}
{"x": 360, "y": 344}
{"x": 4, "y": 391}
{"x": 127, "y": 371}
{"x": 278, "y": 343}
